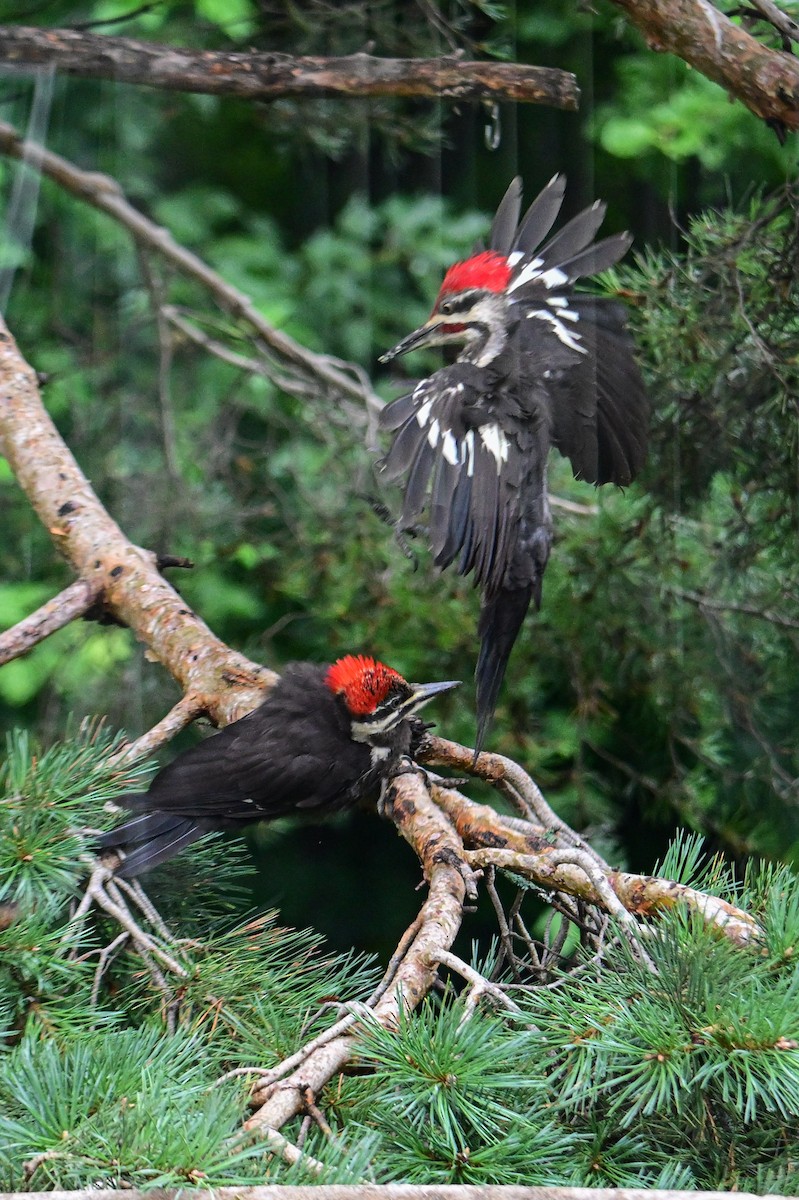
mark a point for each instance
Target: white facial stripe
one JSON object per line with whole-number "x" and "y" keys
{"x": 572, "y": 340}
{"x": 495, "y": 443}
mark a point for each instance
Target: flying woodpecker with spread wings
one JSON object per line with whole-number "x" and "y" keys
{"x": 539, "y": 364}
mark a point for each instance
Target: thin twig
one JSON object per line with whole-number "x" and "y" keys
{"x": 480, "y": 986}
{"x": 105, "y": 194}
{"x": 105, "y": 956}
{"x": 506, "y": 939}
{"x": 75, "y": 601}
{"x": 178, "y": 717}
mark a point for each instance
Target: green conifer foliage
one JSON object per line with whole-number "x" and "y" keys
{"x": 678, "y": 1068}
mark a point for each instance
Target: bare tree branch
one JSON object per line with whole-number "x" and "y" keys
{"x": 766, "y": 81}
{"x": 178, "y": 717}
{"x": 225, "y": 683}
{"x": 766, "y": 10}
{"x": 490, "y": 842}
{"x": 75, "y": 601}
{"x": 264, "y": 76}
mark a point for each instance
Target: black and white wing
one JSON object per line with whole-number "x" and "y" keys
{"x": 464, "y": 466}
{"x": 575, "y": 342}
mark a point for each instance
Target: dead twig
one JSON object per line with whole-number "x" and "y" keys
{"x": 479, "y": 986}
{"x": 105, "y": 194}
{"x": 74, "y": 602}
{"x": 179, "y": 716}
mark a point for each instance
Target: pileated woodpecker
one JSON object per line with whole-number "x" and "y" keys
{"x": 324, "y": 738}
{"x": 539, "y": 364}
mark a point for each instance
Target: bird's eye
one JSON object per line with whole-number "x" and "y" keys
{"x": 445, "y": 307}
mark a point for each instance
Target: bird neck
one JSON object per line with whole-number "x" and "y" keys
{"x": 486, "y": 334}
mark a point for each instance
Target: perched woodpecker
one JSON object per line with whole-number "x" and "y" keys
{"x": 323, "y": 739}
{"x": 539, "y": 364}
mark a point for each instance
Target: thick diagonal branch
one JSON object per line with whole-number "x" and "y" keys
{"x": 766, "y": 81}
{"x": 225, "y": 684}
{"x": 260, "y": 76}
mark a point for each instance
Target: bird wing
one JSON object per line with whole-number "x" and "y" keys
{"x": 577, "y": 344}
{"x": 599, "y": 405}
{"x": 464, "y": 465}
{"x": 250, "y": 770}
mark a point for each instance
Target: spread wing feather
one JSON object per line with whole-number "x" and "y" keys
{"x": 599, "y": 408}
{"x": 503, "y": 227}
{"x": 598, "y": 257}
{"x": 574, "y": 236}
{"x": 464, "y": 466}
{"x": 540, "y": 216}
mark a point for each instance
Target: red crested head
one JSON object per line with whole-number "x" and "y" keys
{"x": 363, "y": 682}
{"x": 488, "y": 271}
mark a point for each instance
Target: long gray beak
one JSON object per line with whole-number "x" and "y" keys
{"x": 413, "y": 341}
{"x": 423, "y": 692}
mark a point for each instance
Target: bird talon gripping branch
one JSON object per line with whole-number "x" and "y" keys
{"x": 539, "y": 364}
{"x": 323, "y": 739}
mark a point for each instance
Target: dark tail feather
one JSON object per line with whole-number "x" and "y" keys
{"x": 500, "y": 621}
{"x": 149, "y": 840}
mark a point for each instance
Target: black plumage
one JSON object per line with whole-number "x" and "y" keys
{"x": 322, "y": 740}
{"x": 539, "y": 365}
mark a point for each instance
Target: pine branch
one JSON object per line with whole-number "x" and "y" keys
{"x": 267, "y": 76}
{"x": 438, "y": 848}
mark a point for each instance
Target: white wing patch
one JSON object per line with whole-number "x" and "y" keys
{"x": 532, "y": 273}
{"x": 423, "y": 414}
{"x": 468, "y": 442}
{"x": 527, "y": 274}
{"x": 495, "y": 443}
{"x": 449, "y": 448}
{"x": 432, "y": 433}
{"x": 571, "y": 339}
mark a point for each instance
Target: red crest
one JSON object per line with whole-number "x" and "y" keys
{"x": 489, "y": 271}
{"x": 363, "y": 682}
